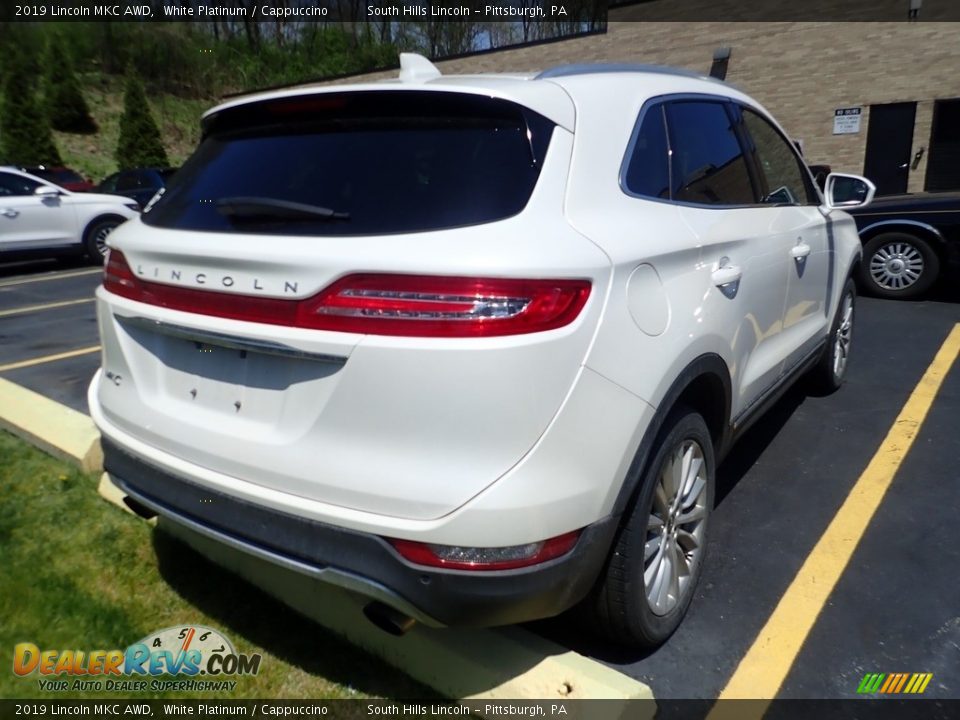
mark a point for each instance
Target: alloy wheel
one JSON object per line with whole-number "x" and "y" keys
{"x": 896, "y": 266}
{"x": 675, "y": 528}
{"x": 843, "y": 337}
{"x": 100, "y": 238}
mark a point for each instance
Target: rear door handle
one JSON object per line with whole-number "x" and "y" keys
{"x": 726, "y": 274}
{"x": 800, "y": 251}
{"x": 9, "y": 212}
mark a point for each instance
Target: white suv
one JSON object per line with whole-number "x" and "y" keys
{"x": 37, "y": 216}
{"x": 471, "y": 346}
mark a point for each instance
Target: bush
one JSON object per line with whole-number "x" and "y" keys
{"x": 25, "y": 136}
{"x": 63, "y": 98}
{"x": 140, "y": 144}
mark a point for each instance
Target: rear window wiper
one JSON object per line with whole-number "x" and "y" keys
{"x": 256, "y": 209}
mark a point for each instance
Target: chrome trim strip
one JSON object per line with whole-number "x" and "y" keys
{"x": 914, "y": 223}
{"x": 232, "y": 342}
{"x": 331, "y": 576}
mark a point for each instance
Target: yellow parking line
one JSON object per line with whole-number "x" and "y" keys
{"x": 49, "y": 358}
{"x": 763, "y": 669}
{"x": 47, "y": 306}
{"x": 54, "y": 276}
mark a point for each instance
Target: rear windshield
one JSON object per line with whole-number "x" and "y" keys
{"x": 359, "y": 163}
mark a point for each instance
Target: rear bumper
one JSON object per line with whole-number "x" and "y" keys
{"x": 364, "y": 562}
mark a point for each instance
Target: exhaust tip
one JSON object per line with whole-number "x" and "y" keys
{"x": 389, "y": 620}
{"x": 139, "y": 508}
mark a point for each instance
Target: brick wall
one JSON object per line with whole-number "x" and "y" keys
{"x": 801, "y": 71}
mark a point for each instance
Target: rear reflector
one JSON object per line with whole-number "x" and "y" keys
{"x": 453, "y": 557}
{"x": 381, "y": 304}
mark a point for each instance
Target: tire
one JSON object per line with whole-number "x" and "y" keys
{"x": 629, "y": 606}
{"x": 94, "y": 239}
{"x": 831, "y": 370}
{"x": 898, "y": 265}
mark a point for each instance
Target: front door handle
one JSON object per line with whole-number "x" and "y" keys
{"x": 9, "y": 212}
{"x": 726, "y": 275}
{"x": 800, "y": 251}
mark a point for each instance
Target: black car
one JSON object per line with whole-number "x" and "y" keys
{"x": 141, "y": 184}
{"x": 907, "y": 241}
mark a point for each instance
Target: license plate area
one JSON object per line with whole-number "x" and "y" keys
{"x": 246, "y": 379}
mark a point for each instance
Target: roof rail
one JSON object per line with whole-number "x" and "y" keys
{"x": 588, "y": 69}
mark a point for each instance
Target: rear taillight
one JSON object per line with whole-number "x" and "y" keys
{"x": 381, "y": 304}
{"x": 448, "y": 306}
{"x": 453, "y": 557}
{"x": 118, "y": 278}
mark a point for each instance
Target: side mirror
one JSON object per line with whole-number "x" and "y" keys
{"x": 848, "y": 191}
{"x": 46, "y": 191}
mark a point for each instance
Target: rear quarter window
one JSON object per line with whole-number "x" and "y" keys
{"x": 648, "y": 167}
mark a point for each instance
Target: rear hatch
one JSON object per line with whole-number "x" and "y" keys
{"x": 369, "y": 299}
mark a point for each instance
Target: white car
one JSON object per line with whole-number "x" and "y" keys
{"x": 38, "y": 216}
{"x": 471, "y": 345}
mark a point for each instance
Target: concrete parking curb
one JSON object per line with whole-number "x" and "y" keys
{"x": 468, "y": 664}
{"x": 502, "y": 664}
{"x": 55, "y": 428}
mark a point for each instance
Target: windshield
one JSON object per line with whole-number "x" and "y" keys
{"x": 384, "y": 161}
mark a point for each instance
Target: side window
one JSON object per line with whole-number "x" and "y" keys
{"x": 783, "y": 180}
{"x": 707, "y": 162}
{"x": 127, "y": 181}
{"x": 110, "y": 184}
{"x": 648, "y": 171}
{"x": 15, "y": 185}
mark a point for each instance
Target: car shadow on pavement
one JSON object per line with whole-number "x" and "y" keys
{"x": 242, "y": 608}
{"x": 14, "y": 265}
{"x": 757, "y": 438}
{"x": 947, "y": 288}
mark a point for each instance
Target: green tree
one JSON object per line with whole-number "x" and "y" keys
{"x": 62, "y": 96}
{"x": 140, "y": 144}
{"x": 25, "y": 137}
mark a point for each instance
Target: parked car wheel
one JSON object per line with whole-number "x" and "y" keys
{"x": 95, "y": 239}
{"x": 656, "y": 560}
{"x": 898, "y": 265}
{"x": 829, "y": 373}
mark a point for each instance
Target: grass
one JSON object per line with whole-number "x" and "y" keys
{"x": 77, "y": 573}
{"x": 92, "y": 155}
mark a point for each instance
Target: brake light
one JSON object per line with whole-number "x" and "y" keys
{"x": 448, "y": 306}
{"x": 453, "y": 557}
{"x": 381, "y": 304}
{"x": 118, "y": 278}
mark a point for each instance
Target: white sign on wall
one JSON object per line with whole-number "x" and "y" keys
{"x": 846, "y": 120}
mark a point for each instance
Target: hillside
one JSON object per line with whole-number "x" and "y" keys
{"x": 187, "y": 66}
{"x": 92, "y": 155}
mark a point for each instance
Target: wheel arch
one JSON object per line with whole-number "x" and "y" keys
{"x": 703, "y": 385}
{"x": 920, "y": 230}
{"x": 100, "y": 218}
{"x": 91, "y": 224}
